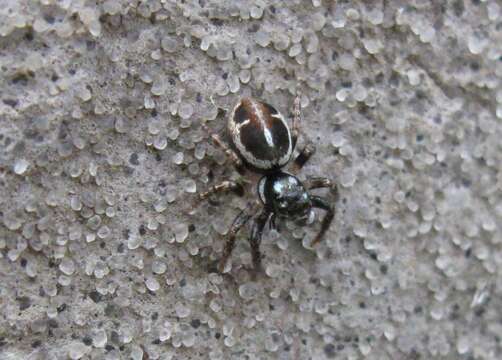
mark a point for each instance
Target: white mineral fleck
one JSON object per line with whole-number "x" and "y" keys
{"x": 152, "y": 284}
{"x": 99, "y": 338}
{"x": 20, "y": 166}
{"x": 67, "y": 266}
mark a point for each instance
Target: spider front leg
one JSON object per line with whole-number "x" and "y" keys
{"x": 224, "y": 186}
{"x": 237, "y": 224}
{"x": 320, "y": 182}
{"x": 255, "y": 238}
{"x": 319, "y": 202}
{"x": 309, "y": 149}
{"x": 297, "y": 117}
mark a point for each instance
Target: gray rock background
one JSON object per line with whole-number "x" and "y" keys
{"x": 103, "y": 253}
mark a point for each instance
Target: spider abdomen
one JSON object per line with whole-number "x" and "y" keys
{"x": 260, "y": 134}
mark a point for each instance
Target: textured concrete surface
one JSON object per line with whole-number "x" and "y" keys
{"x": 103, "y": 254}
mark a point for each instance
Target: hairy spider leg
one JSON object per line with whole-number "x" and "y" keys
{"x": 321, "y": 203}
{"x": 224, "y": 186}
{"x": 308, "y": 149}
{"x": 240, "y": 220}
{"x": 255, "y": 238}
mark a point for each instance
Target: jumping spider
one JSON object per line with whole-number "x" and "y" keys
{"x": 262, "y": 142}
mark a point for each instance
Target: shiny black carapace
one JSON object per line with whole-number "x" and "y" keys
{"x": 261, "y": 141}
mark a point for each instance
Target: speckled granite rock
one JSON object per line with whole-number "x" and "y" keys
{"x": 103, "y": 253}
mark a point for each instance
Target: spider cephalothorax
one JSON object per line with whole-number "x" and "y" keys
{"x": 262, "y": 141}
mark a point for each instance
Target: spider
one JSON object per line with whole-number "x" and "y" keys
{"x": 262, "y": 142}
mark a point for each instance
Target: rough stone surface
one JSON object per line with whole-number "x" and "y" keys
{"x": 106, "y": 254}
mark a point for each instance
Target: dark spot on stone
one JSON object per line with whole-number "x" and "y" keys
{"x": 329, "y": 350}
{"x": 114, "y": 337}
{"x": 217, "y": 22}
{"x": 155, "y": 316}
{"x": 183, "y": 282}
{"x": 61, "y": 308}
{"x": 158, "y": 156}
{"x": 254, "y": 28}
{"x": 10, "y": 102}
{"x": 379, "y": 78}
{"x": 24, "y": 302}
{"x": 474, "y": 66}
{"x": 53, "y": 324}
{"x": 198, "y": 97}
{"x": 384, "y": 269}
{"x": 362, "y": 305}
{"x": 90, "y": 45}
{"x": 420, "y": 138}
{"x": 340, "y": 347}
{"x": 49, "y": 18}
{"x": 346, "y": 84}
{"x": 23, "y": 262}
{"x": 172, "y": 81}
{"x": 304, "y": 341}
{"x": 54, "y": 77}
{"x": 217, "y": 335}
{"x": 36, "y": 344}
{"x": 29, "y": 35}
{"x": 225, "y": 76}
{"x": 113, "y": 310}
{"x": 191, "y": 228}
{"x": 87, "y": 340}
{"x": 418, "y": 310}
{"x": 480, "y": 312}
{"x": 458, "y": 7}
{"x": 156, "y": 342}
{"x": 272, "y": 9}
{"x": 394, "y": 79}
{"x": 95, "y": 296}
{"x": 2, "y": 341}
{"x": 109, "y": 347}
{"x": 20, "y": 79}
{"x": 195, "y": 323}
{"x": 467, "y": 253}
{"x": 154, "y": 113}
{"x": 142, "y": 230}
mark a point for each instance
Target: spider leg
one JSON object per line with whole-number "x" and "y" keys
{"x": 240, "y": 220}
{"x": 320, "y": 182}
{"x": 319, "y": 202}
{"x": 309, "y": 149}
{"x": 255, "y": 238}
{"x": 273, "y": 223}
{"x": 224, "y": 186}
{"x": 297, "y": 117}
{"x": 304, "y": 155}
{"x": 231, "y": 154}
